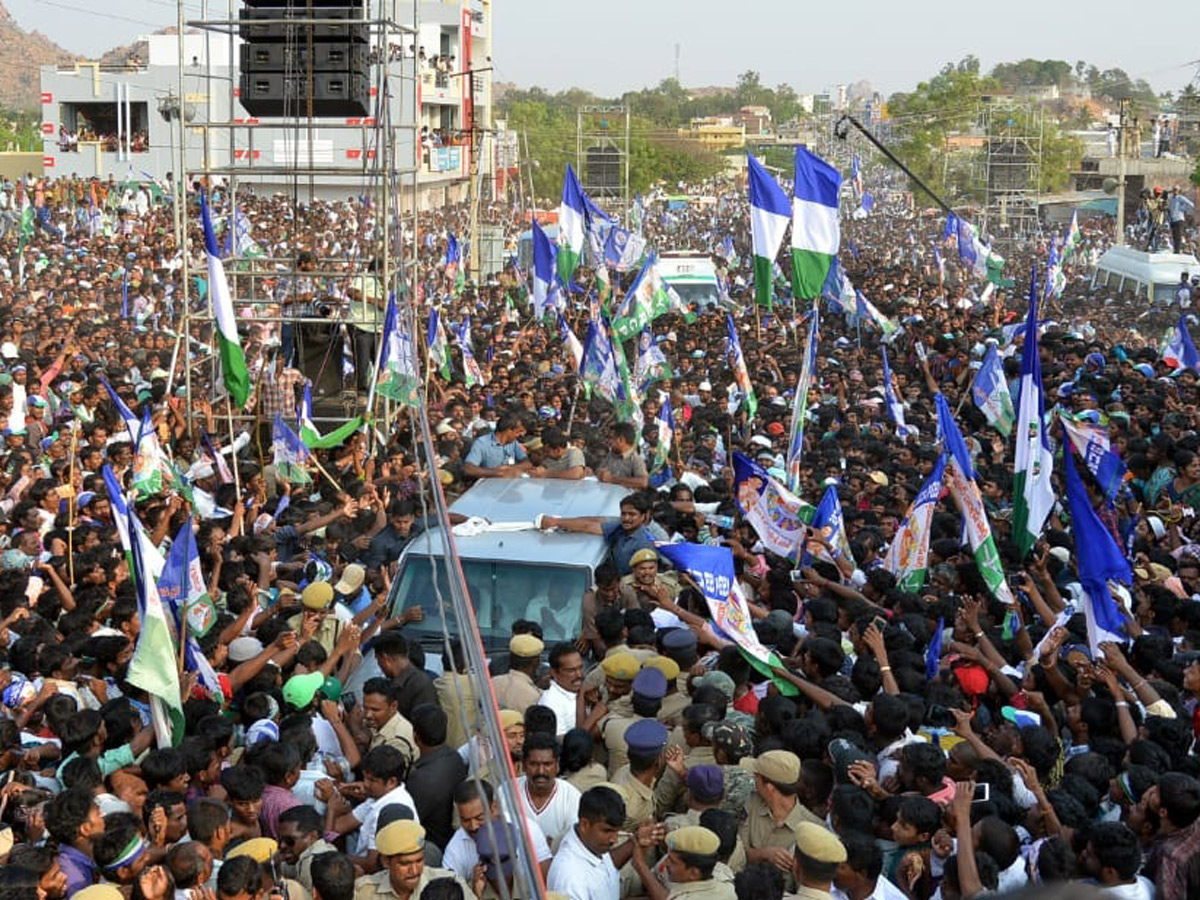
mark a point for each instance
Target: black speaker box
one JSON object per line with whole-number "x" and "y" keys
{"x": 343, "y": 56}
{"x": 334, "y": 94}
{"x": 338, "y": 23}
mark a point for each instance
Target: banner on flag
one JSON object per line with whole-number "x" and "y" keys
{"x": 908, "y": 554}
{"x": 989, "y": 392}
{"x": 959, "y": 478}
{"x": 397, "y": 378}
{"x": 711, "y": 568}
{"x": 1091, "y": 442}
{"x": 779, "y": 517}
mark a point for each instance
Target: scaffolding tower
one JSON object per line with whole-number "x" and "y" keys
{"x": 379, "y": 178}
{"x": 602, "y": 153}
{"x": 292, "y": 153}
{"x": 1011, "y": 168}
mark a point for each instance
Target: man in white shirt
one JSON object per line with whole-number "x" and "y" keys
{"x": 1183, "y": 294}
{"x": 546, "y": 798}
{"x": 566, "y": 678}
{"x": 585, "y": 866}
{"x": 859, "y": 878}
{"x": 384, "y": 769}
{"x": 1112, "y": 857}
{"x": 476, "y": 804}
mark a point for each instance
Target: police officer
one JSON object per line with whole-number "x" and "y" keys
{"x": 692, "y": 854}
{"x": 775, "y": 810}
{"x": 401, "y": 847}
{"x": 675, "y": 700}
{"x": 617, "y": 671}
{"x": 649, "y": 688}
{"x": 815, "y": 861}
{"x": 645, "y": 741}
{"x": 646, "y": 583}
{"x": 515, "y": 689}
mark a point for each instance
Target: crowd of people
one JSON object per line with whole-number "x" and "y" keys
{"x": 649, "y": 760}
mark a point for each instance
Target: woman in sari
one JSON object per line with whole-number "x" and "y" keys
{"x": 1184, "y": 488}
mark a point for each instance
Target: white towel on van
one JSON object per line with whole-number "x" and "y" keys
{"x": 476, "y": 525}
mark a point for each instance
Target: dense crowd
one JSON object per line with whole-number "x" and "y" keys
{"x": 651, "y": 759}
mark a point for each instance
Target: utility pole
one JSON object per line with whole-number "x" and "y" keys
{"x": 529, "y": 169}
{"x": 1121, "y": 174}
{"x": 473, "y": 191}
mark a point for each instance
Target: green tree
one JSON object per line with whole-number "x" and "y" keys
{"x": 20, "y": 130}
{"x": 786, "y": 105}
{"x": 1034, "y": 73}
{"x": 656, "y": 153}
{"x": 948, "y": 105}
{"x": 750, "y": 91}
{"x": 926, "y": 116}
{"x": 1189, "y": 100}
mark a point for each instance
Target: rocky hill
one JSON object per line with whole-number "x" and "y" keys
{"x": 22, "y": 53}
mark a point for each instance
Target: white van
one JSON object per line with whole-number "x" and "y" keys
{"x": 692, "y": 275}
{"x": 1154, "y": 276}
{"x": 526, "y": 574}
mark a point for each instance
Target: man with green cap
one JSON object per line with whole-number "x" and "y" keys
{"x": 692, "y": 854}
{"x": 315, "y": 689}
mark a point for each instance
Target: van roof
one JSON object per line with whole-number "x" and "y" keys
{"x": 521, "y": 500}
{"x": 1154, "y": 268}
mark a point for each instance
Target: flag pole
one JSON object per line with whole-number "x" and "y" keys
{"x": 237, "y": 478}
{"x": 369, "y": 413}
{"x": 71, "y": 508}
{"x": 574, "y": 401}
{"x": 174, "y": 363}
{"x": 320, "y": 468}
{"x": 182, "y": 631}
{"x": 962, "y": 401}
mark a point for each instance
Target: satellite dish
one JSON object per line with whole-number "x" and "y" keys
{"x": 1110, "y": 185}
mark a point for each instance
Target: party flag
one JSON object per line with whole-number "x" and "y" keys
{"x": 1098, "y": 560}
{"x": 989, "y": 392}
{"x": 572, "y": 226}
{"x": 816, "y": 232}
{"x": 770, "y": 213}
{"x": 737, "y": 361}
{"x": 908, "y": 554}
{"x": 1033, "y": 494}
{"x": 960, "y": 482}
{"x": 229, "y": 345}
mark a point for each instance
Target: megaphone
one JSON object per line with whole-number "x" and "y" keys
{"x": 1110, "y": 185}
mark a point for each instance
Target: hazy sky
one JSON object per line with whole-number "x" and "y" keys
{"x": 608, "y": 46}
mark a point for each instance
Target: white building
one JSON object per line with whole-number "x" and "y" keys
{"x": 123, "y": 119}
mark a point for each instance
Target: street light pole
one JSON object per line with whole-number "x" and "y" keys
{"x": 1121, "y": 176}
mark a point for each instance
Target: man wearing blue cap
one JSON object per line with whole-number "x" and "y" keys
{"x": 645, "y": 741}
{"x": 35, "y": 423}
{"x": 668, "y": 793}
{"x": 649, "y": 687}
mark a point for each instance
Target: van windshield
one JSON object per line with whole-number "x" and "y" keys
{"x": 696, "y": 293}
{"x": 501, "y": 593}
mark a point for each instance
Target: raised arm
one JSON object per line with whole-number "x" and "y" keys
{"x": 576, "y": 525}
